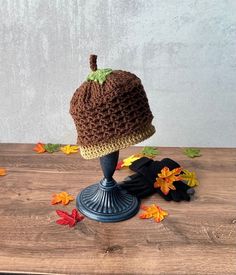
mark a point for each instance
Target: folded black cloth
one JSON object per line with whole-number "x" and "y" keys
{"x": 141, "y": 184}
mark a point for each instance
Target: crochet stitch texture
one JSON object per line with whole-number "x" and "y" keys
{"x": 112, "y": 115}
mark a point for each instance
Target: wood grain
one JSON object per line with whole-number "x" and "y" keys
{"x": 196, "y": 238}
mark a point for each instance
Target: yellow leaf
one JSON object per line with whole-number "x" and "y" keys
{"x": 153, "y": 211}
{"x": 190, "y": 177}
{"x": 128, "y": 161}
{"x": 69, "y": 149}
{"x": 3, "y": 172}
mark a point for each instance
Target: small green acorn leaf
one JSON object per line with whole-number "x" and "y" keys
{"x": 192, "y": 152}
{"x": 99, "y": 75}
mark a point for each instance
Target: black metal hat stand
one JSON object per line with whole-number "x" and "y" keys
{"x": 106, "y": 201}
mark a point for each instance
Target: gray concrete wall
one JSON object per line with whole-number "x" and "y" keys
{"x": 183, "y": 50}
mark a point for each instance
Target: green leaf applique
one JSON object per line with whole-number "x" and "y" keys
{"x": 99, "y": 75}
{"x": 192, "y": 152}
{"x": 150, "y": 152}
{"x": 51, "y": 148}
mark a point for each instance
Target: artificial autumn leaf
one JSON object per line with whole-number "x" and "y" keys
{"x": 149, "y": 152}
{"x": 51, "y": 148}
{"x": 164, "y": 186}
{"x": 165, "y": 179}
{"x": 128, "y": 161}
{"x": 69, "y": 149}
{"x": 69, "y": 219}
{"x": 119, "y": 165}
{"x": 190, "y": 178}
{"x": 3, "y": 172}
{"x": 192, "y": 152}
{"x": 153, "y": 211}
{"x": 62, "y": 197}
{"x": 170, "y": 175}
{"x": 39, "y": 148}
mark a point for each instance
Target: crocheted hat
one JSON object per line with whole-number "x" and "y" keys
{"x": 111, "y": 112}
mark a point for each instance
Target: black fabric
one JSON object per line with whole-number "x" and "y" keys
{"x": 141, "y": 184}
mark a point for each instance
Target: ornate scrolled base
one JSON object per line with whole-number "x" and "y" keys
{"x": 107, "y": 204}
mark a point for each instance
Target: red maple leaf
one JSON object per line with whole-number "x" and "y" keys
{"x": 119, "y": 165}
{"x": 69, "y": 219}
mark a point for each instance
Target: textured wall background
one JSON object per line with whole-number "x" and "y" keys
{"x": 183, "y": 50}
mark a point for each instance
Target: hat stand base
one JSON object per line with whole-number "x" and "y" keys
{"x": 106, "y": 201}
{"x": 113, "y": 205}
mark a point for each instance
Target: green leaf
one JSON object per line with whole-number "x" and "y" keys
{"x": 190, "y": 178}
{"x": 99, "y": 75}
{"x": 192, "y": 152}
{"x": 51, "y": 148}
{"x": 149, "y": 151}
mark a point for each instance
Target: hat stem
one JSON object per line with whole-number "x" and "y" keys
{"x": 93, "y": 62}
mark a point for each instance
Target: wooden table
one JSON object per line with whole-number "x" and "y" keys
{"x": 196, "y": 238}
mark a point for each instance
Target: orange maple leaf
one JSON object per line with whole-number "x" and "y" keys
{"x": 3, "y": 172}
{"x": 165, "y": 179}
{"x": 62, "y": 197}
{"x": 39, "y": 148}
{"x": 153, "y": 211}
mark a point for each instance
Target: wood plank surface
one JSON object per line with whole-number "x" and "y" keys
{"x": 198, "y": 237}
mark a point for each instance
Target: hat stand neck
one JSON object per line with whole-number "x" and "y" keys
{"x": 108, "y": 164}
{"x": 106, "y": 201}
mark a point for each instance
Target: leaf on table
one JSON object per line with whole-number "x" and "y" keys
{"x": 150, "y": 152}
{"x": 69, "y": 219}
{"x": 119, "y": 165}
{"x": 69, "y": 149}
{"x": 190, "y": 178}
{"x": 63, "y": 198}
{"x": 3, "y": 172}
{"x": 39, "y": 148}
{"x": 153, "y": 211}
{"x": 51, "y": 148}
{"x": 192, "y": 152}
{"x": 165, "y": 179}
{"x": 128, "y": 161}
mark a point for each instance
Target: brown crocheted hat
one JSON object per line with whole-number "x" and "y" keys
{"x": 111, "y": 112}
